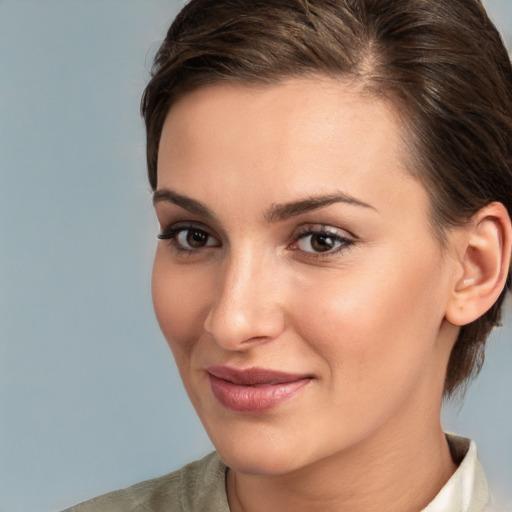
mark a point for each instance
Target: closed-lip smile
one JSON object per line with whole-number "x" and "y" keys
{"x": 254, "y": 390}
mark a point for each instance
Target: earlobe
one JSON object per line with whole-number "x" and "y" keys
{"x": 485, "y": 262}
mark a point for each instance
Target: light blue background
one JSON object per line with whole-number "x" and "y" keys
{"x": 90, "y": 399}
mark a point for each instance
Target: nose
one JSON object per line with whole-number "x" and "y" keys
{"x": 246, "y": 307}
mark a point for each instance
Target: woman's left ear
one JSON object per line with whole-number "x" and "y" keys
{"x": 484, "y": 249}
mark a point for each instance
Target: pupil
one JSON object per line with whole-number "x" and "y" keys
{"x": 197, "y": 238}
{"x": 322, "y": 243}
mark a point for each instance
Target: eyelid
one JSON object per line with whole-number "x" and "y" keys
{"x": 170, "y": 230}
{"x": 311, "y": 228}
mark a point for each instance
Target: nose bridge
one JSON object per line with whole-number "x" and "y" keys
{"x": 246, "y": 307}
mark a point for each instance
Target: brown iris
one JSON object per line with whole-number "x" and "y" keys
{"x": 321, "y": 242}
{"x": 197, "y": 238}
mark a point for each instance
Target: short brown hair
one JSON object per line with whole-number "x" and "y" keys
{"x": 441, "y": 62}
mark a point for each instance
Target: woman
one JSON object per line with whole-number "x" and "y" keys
{"x": 333, "y": 184}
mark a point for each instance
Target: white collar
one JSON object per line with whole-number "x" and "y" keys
{"x": 467, "y": 489}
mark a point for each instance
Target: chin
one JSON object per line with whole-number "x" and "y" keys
{"x": 263, "y": 461}
{"x": 263, "y": 450}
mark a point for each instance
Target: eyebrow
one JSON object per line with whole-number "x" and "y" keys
{"x": 183, "y": 201}
{"x": 280, "y": 212}
{"x": 276, "y": 213}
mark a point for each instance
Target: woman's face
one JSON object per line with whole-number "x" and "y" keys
{"x": 298, "y": 283}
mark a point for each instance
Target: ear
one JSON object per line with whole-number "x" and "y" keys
{"x": 484, "y": 259}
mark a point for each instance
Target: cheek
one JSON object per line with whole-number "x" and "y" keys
{"x": 366, "y": 324}
{"x": 179, "y": 303}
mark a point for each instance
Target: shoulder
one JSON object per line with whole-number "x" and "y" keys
{"x": 199, "y": 485}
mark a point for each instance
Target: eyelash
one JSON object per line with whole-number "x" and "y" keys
{"x": 344, "y": 243}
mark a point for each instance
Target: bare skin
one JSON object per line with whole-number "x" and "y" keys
{"x": 296, "y": 241}
{"x": 350, "y": 482}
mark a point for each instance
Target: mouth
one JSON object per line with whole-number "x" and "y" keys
{"x": 254, "y": 390}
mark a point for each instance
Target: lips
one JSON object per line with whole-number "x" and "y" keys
{"x": 254, "y": 390}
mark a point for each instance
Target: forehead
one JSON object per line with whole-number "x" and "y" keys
{"x": 317, "y": 100}
{"x": 283, "y": 141}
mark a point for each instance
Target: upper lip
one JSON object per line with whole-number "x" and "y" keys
{"x": 254, "y": 376}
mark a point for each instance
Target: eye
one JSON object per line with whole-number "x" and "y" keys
{"x": 322, "y": 241}
{"x": 194, "y": 238}
{"x": 189, "y": 238}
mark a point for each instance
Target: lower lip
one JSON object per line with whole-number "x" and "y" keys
{"x": 254, "y": 399}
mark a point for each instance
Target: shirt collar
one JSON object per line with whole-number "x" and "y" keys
{"x": 467, "y": 489}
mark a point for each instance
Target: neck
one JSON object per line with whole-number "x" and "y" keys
{"x": 406, "y": 467}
